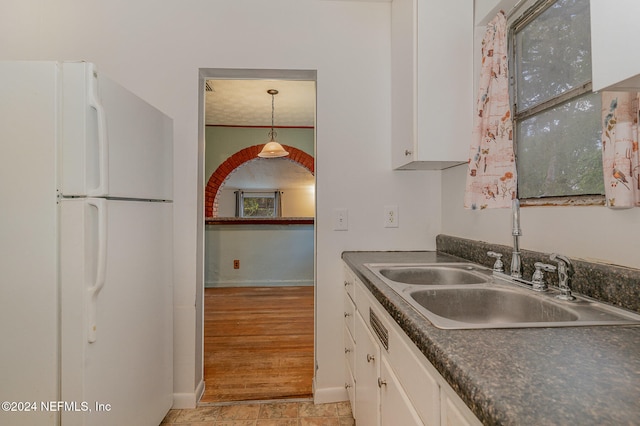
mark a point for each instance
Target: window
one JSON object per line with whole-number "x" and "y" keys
{"x": 556, "y": 115}
{"x": 258, "y": 204}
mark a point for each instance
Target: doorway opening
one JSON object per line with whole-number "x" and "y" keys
{"x": 259, "y": 272}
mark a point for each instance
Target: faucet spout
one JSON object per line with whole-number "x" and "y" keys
{"x": 565, "y": 272}
{"x": 516, "y": 262}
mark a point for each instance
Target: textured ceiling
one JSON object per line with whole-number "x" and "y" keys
{"x": 247, "y": 103}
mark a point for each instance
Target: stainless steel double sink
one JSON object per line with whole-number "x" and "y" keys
{"x": 469, "y": 296}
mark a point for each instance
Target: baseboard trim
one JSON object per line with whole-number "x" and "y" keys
{"x": 188, "y": 400}
{"x": 327, "y": 395}
{"x": 253, "y": 283}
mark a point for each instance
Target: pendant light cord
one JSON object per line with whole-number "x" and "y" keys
{"x": 273, "y": 133}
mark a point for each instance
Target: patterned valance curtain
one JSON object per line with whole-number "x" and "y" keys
{"x": 491, "y": 177}
{"x": 620, "y": 162}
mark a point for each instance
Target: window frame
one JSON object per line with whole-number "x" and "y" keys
{"x": 241, "y": 195}
{"x": 518, "y": 23}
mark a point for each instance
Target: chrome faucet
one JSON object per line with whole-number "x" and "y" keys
{"x": 565, "y": 272}
{"x": 516, "y": 262}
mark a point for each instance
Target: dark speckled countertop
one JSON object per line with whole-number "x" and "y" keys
{"x": 536, "y": 376}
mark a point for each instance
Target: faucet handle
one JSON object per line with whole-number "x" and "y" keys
{"x": 537, "y": 279}
{"x": 561, "y": 259}
{"x": 498, "y": 266}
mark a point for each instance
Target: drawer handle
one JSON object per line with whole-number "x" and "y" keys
{"x": 347, "y": 283}
{"x": 347, "y": 314}
{"x": 347, "y": 385}
{"x": 347, "y": 350}
{"x": 381, "y": 382}
{"x": 370, "y": 358}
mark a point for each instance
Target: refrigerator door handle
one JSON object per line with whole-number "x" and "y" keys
{"x": 93, "y": 100}
{"x": 101, "y": 265}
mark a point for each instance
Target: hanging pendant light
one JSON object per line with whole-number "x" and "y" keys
{"x": 272, "y": 149}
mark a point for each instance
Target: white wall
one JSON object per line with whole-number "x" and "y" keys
{"x": 156, "y": 49}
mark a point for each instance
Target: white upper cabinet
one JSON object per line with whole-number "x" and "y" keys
{"x": 431, "y": 83}
{"x": 615, "y": 31}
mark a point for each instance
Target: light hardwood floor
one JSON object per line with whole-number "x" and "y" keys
{"x": 258, "y": 343}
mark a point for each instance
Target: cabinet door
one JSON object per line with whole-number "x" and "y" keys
{"x": 453, "y": 411}
{"x": 615, "y": 65}
{"x": 395, "y": 407}
{"x": 403, "y": 82}
{"x": 367, "y": 409}
{"x": 431, "y": 83}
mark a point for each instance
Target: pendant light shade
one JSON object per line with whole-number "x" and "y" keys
{"x": 272, "y": 149}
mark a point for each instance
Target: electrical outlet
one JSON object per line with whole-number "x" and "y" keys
{"x": 340, "y": 219}
{"x": 391, "y": 216}
{"x": 236, "y": 264}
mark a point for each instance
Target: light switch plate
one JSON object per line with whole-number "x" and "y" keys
{"x": 340, "y": 219}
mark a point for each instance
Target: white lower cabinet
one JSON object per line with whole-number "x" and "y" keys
{"x": 452, "y": 412}
{"x": 395, "y": 406}
{"x": 349, "y": 347}
{"x": 367, "y": 372}
{"x": 388, "y": 380}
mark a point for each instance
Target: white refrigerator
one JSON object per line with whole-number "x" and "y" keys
{"x": 85, "y": 250}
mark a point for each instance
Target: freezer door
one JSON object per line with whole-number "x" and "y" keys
{"x": 113, "y": 143}
{"x": 116, "y": 304}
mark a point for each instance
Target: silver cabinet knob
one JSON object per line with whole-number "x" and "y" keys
{"x": 347, "y": 314}
{"x": 370, "y": 358}
{"x": 381, "y": 382}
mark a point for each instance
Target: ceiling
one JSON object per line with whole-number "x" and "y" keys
{"x": 247, "y": 103}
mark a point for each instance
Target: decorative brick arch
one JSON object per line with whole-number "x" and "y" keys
{"x": 218, "y": 178}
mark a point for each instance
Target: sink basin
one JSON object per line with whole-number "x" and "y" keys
{"x": 468, "y": 296}
{"x": 434, "y": 274}
{"x": 504, "y": 307}
{"x": 491, "y": 306}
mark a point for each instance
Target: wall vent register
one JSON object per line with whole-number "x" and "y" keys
{"x": 379, "y": 329}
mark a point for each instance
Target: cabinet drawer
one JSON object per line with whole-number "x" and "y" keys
{"x": 349, "y": 282}
{"x": 349, "y": 311}
{"x": 350, "y": 386}
{"x": 349, "y": 349}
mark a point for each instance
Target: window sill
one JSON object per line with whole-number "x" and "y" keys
{"x": 259, "y": 221}
{"x": 585, "y": 200}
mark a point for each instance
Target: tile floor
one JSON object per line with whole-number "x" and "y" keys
{"x": 280, "y": 413}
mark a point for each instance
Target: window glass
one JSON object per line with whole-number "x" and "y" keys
{"x": 554, "y": 52}
{"x": 556, "y": 115}
{"x": 560, "y": 150}
{"x": 258, "y": 204}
